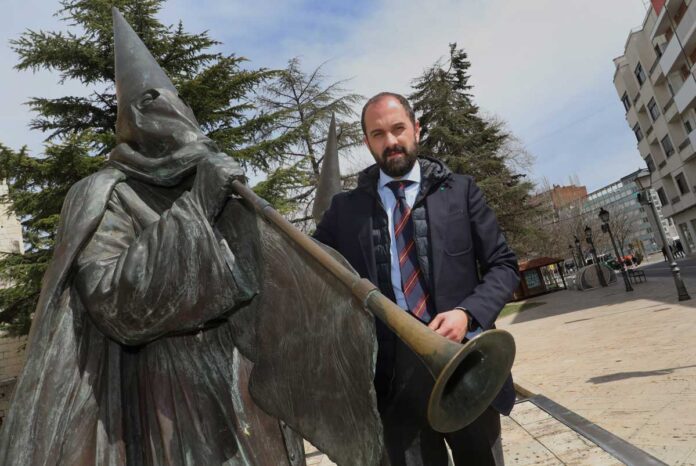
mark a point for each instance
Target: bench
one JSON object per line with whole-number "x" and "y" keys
{"x": 637, "y": 275}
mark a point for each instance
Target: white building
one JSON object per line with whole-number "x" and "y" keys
{"x": 10, "y": 228}
{"x": 655, "y": 81}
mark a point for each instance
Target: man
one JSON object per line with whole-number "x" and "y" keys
{"x": 427, "y": 239}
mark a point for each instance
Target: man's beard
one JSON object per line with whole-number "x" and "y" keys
{"x": 396, "y": 167}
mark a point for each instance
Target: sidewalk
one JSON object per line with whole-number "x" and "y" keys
{"x": 625, "y": 361}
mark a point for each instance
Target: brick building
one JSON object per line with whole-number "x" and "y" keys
{"x": 11, "y": 349}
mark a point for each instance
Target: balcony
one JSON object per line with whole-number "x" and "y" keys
{"x": 689, "y": 152}
{"x": 670, "y": 56}
{"x": 686, "y": 93}
{"x": 670, "y": 111}
{"x": 684, "y": 36}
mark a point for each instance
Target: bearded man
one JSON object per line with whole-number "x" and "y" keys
{"x": 427, "y": 239}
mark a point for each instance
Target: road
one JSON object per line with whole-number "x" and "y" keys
{"x": 661, "y": 269}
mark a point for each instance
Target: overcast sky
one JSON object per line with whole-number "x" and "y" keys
{"x": 543, "y": 66}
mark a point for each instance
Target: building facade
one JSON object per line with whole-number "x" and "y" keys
{"x": 655, "y": 80}
{"x": 557, "y": 197}
{"x": 631, "y": 221}
{"x": 11, "y": 349}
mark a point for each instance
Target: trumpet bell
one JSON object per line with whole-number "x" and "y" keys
{"x": 472, "y": 376}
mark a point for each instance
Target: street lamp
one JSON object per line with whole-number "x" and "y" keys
{"x": 644, "y": 183}
{"x": 604, "y": 217}
{"x": 593, "y": 251}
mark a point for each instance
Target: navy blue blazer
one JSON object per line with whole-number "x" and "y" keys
{"x": 471, "y": 264}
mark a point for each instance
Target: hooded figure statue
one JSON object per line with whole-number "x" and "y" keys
{"x": 168, "y": 306}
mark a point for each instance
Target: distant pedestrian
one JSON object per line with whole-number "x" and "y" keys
{"x": 680, "y": 249}
{"x": 664, "y": 253}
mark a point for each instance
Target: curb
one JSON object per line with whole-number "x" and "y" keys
{"x": 617, "y": 447}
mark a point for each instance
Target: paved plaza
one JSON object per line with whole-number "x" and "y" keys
{"x": 624, "y": 361}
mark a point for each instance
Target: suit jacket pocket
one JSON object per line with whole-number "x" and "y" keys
{"x": 457, "y": 234}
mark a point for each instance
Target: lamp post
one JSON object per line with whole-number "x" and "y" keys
{"x": 644, "y": 182}
{"x": 593, "y": 251}
{"x": 580, "y": 256}
{"x": 604, "y": 217}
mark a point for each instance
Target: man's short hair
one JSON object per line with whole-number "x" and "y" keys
{"x": 402, "y": 100}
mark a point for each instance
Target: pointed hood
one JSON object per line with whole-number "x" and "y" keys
{"x": 159, "y": 139}
{"x": 330, "y": 177}
{"x": 136, "y": 68}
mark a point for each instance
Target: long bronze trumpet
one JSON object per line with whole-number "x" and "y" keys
{"x": 467, "y": 376}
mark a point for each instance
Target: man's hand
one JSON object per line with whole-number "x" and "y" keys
{"x": 213, "y": 183}
{"x": 451, "y": 324}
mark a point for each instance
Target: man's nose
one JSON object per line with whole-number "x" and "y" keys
{"x": 391, "y": 140}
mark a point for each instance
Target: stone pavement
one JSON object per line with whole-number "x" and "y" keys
{"x": 625, "y": 361}
{"x": 531, "y": 437}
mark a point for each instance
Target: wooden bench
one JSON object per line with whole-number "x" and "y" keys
{"x": 637, "y": 275}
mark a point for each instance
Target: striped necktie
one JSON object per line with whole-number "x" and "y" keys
{"x": 412, "y": 280}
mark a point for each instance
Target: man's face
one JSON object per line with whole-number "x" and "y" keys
{"x": 391, "y": 137}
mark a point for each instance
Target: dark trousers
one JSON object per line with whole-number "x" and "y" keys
{"x": 409, "y": 440}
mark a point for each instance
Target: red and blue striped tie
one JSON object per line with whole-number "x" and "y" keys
{"x": 412, "y": 280}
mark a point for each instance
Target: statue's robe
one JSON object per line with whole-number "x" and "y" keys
{"x": 134, "y": 356}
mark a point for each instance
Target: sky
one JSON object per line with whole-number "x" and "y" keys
{"x": 542, "y": 66}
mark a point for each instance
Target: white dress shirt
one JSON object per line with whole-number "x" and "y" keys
{"x": 389, "y": 202}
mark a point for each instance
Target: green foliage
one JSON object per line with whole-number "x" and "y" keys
{"x": 453, "y": 131}
{"x": 306, "y": 104}
{"x": 80, "y": 130}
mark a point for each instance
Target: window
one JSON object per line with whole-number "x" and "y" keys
{"x": 681, "y": 184}
{"x": 662, "y": 196}
{"x": 626, "y": 101}
{"x": 687, "y": 127}
{"x": 640, "y": 74}
{"x": 652, "y": 108}
{"x": 658, "y": 51}
{"x": 667, "y": 146}
{"x": 637, "y": 131}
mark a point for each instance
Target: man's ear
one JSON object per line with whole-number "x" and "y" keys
{"x": 365, "y": 141}
{"x": 418, "y": 131}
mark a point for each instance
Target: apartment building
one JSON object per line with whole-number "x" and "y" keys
{"x": 556, "y": 197}
{"x": 655, "y": 80}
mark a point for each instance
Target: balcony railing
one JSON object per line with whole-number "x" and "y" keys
{"x": 667, "y": 105}
{"x": 654, "y": 65}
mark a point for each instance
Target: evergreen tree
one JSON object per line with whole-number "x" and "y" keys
{"x": 452, "y": 130}
{"x": 306, "y": 103}
{"x": 80, "y": 130}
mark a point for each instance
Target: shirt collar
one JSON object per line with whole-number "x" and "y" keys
{"x": 413, "y": 175}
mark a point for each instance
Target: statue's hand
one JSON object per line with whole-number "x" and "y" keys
{"x": 213, "y": 183}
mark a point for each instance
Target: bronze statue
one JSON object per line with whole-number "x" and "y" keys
{"x": 166, "y": 303}
{"x": 178, "y": 325}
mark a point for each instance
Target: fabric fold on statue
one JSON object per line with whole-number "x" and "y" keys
{"x": 164, "y": 171}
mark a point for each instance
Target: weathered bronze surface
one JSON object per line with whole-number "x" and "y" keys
{"x": 330, "y": 178}
{"x": 467, "y": 377}
{"x": 167, "y": 307}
